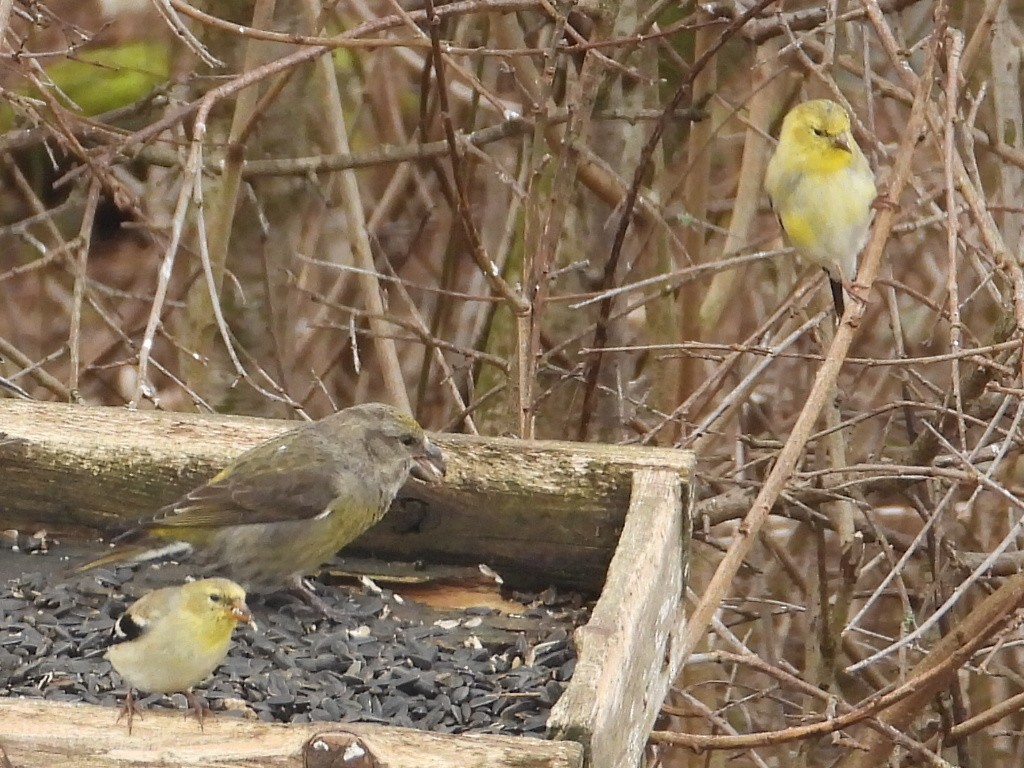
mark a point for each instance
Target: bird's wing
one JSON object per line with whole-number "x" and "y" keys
{"x": 141, "y": 615}
{"x": 276, "y": 482}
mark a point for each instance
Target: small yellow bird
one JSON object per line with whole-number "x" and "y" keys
{"x": 821, "y": 187}
{"x": 282, "y": 509}
{"x": 173, "y": 638}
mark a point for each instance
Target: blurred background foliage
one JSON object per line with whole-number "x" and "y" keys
{"x": 594, "y": 261}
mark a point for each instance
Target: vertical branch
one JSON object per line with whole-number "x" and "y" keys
{"x": 696, "y": 196}
{"x": 543, "y": 225}
{"x": 202, "y": 326}
{"x": 954, "y": 49}
{"x": 80, "y": 268}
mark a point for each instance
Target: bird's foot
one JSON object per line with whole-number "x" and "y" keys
{"x": 884, "y": 202}
{"x": 197, "y": 707}
{"x": 128, "y": 711}
{"x": 301, "y": 589}
{"x": 858, "y": 291}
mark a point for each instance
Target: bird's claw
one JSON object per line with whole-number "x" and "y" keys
{"x": 128, "y": 711}
{"x": 884, "y": 202}
{"x": 197, "y": 707}
{"x": 858, "y": 291}
{"x": 305, "y": 593}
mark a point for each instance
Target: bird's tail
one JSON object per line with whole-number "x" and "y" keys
{"x": 138, "y": 553}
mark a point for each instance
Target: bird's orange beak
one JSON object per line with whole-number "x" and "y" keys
{"x": 429, "y": 464}
{"x": 239, "y": 611}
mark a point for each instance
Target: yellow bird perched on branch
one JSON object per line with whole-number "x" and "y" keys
{"x": 822, "y": 189}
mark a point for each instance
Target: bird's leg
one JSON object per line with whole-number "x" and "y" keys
{"x": 305, "y": 593}
{"x": 128, "y": 710}
{"x": 837, "y": 296}
{"x": 197, "y": 707}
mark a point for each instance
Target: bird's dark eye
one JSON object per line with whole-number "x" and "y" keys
{"x": 409, "y": 440}
{"x": 819, "y": 132}
{"x": 215, "y": 598}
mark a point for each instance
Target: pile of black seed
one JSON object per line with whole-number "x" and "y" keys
{"x": 375, "y": 661}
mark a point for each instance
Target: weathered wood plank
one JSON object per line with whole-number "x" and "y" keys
{"x": 38, "y": 734}
{"x": 626, "y": 661}
{"x": 556, "y": 506}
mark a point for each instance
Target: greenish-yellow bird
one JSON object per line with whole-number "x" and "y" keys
{"x": 821, "y": 187}
{"x": 282, "y": 509}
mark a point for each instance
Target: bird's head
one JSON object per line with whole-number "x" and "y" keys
{"x": 391, "y": 432}
{"x": 221, "y": 600}
{"x": 821, "y": 130}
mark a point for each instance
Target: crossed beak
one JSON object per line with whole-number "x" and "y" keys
{"x": 239, "y": 611}
{"x": 429, "y": 464}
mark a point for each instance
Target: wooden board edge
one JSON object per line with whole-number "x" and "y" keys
{"x": 625, "y": 653}
{"x": 222, "y": 436}
{"x": 38, "y": 734}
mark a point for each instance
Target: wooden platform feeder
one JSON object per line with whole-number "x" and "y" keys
{"x": 599, "y": 518}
